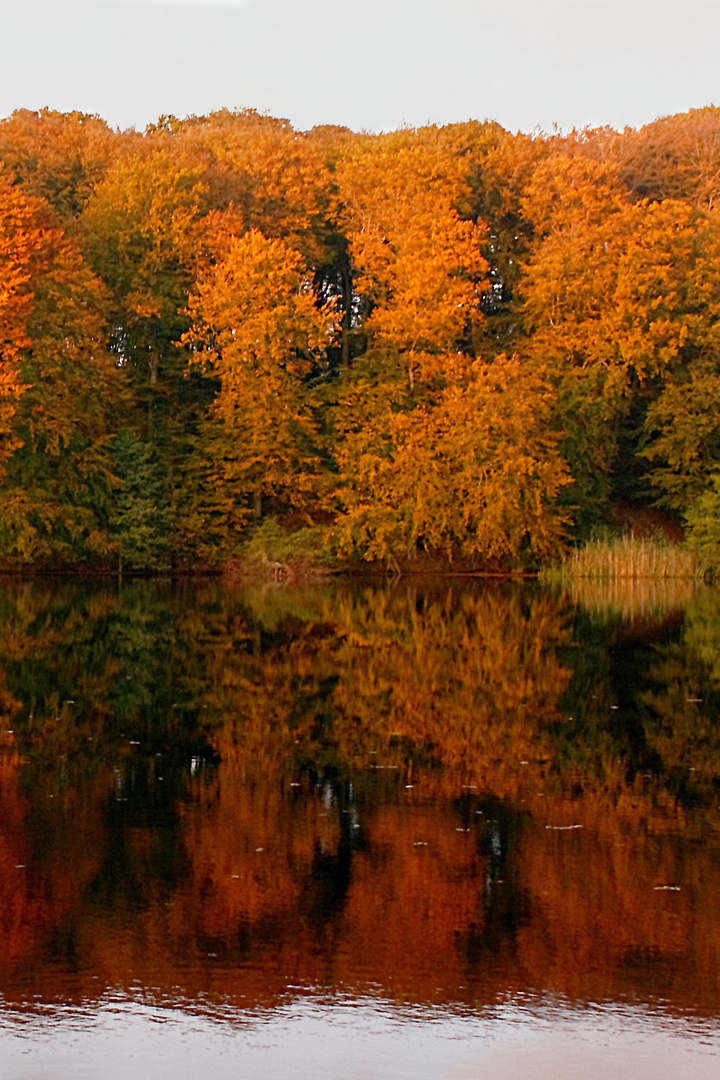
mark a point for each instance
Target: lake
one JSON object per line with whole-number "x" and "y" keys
{"x": 427, "y": 829}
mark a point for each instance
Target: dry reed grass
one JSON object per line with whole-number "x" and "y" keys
{"x": 628, "y": 557}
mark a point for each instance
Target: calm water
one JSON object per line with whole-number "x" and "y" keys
{"x": 428, "y": 831}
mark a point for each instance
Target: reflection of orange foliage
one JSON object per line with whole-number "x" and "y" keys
{"x": 473, "y": 683}
{"x": 13, "y": 860}
{"x": 404, "y": 896}
{"x": 619, "y": 909}
{"x": 250, "y": 848}
{"x": 388, "y": 816}
{"x": 416, "y": 923}
{"x": 416, "y": 891}
{"x": 43, "y": 871}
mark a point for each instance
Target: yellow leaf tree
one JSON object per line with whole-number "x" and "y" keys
{"x": 258, "y": 330}
{"x": 478, "y": 475}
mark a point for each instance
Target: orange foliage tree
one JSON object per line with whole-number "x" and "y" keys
{"x": 60, "y": 157}
{"x": 23, "y": 243}
{"x": 418, "y": 262}
{"x": 436, "y": 450}
{"x": 404, "y": 275}
{"x": 58, "y": 384}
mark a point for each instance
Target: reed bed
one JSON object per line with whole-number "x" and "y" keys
{"x": 627, "y": 557}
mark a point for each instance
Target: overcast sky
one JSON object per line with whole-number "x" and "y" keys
{"x": 372, "y": 64}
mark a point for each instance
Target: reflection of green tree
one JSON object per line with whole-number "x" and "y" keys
{"x": 91, "y": 672}
{"x": 582, "y": 739}
{"x": 702, "y": 631}
{"x": 642, "y": 707}
{"x": 602, "y": 740}
{"x": 684, "y": 704}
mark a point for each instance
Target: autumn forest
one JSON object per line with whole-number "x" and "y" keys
{"x": 449, "y": 344}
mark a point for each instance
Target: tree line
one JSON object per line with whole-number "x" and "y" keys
{"x": 439, "y": 343}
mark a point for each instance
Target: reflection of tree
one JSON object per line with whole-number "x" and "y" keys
{"x": 89, "y": 671}
{"x": 475, "y": 686}
{"x": 467, "y": 677}
{"x": 50, "y": 844}
{"x": 460, "y": 679}
{"x": 600, "y": 743}
{"x": 432, "y": 792}
{"x": 684, "y": 706}
{"x": 702, "y": 633}
{"x": 641, "y": 712}
{"x": 604, "y": 922}
{"x": 350, "y": 696}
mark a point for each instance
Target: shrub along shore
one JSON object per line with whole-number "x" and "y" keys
{"x": 232, "y": 347}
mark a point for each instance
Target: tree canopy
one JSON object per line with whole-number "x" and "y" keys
{"x": 438, "y": 343}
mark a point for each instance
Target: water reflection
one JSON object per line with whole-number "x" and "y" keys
{"x": 436, "y": 796}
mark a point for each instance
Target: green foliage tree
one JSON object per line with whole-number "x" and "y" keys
{"x": 703, "y": 527}
{"x": 139, "y": 228}
{"x": 141, "y": 518}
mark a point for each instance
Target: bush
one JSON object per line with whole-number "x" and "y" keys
{"x": 280, "y": 554}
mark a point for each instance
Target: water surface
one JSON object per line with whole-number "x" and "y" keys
{"x": 423, "y": 830}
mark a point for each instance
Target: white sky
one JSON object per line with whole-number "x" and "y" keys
{"x": 372, "y": 64}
